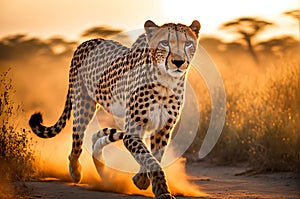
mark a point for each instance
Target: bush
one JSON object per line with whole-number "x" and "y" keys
{"x": 16, "y": 155}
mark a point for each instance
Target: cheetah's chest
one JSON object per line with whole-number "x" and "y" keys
{"x": 163, "y": 111}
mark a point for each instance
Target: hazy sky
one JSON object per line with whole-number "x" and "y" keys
{"x": 69, "y": 18}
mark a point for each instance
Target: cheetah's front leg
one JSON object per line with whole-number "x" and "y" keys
{"x": 143, "y": 156}
{"x": 159, "y": 140}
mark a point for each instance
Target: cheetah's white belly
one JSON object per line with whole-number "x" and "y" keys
{"x": 158, "y": 117}
{"x": 117, "y": 109}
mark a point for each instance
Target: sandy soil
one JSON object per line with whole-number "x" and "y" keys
{"x": 218, "y": 182}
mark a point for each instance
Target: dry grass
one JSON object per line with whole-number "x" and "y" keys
{"x": 262, "y": 119}
{"x": 16, "y": 156}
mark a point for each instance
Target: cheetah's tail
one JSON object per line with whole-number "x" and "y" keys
{"x": 42, "y": 131}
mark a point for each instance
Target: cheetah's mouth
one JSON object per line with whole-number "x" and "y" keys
{"x": 176, "y": 73}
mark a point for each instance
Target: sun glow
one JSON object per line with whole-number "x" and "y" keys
{"x": 181, "y": 11}
{"x": 69, "y": 23}
{"x": 212, "y": 14}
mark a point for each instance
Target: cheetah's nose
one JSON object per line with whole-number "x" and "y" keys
{"x": 178, "y": 62}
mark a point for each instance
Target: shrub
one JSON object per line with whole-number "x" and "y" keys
{"x": 16, "y": 156}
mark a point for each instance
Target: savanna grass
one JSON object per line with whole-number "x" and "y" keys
{"x": 262, "y": 118}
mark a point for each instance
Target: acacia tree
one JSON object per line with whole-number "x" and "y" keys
{"x": 293, "y": 13}
{"x": 107, "y": 32}
{"x": 248, "y": 28}
{"x": 100, "y": 31}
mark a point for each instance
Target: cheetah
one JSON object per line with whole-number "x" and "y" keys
{"x": 144, "y": 84}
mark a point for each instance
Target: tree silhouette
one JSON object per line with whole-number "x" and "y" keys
{"x": 107, "y": 32}
{"x": 293, "y": 13}
{"x": 100, "y": 31}
{"x": 24, "y": 46}
{"x": 248, "y": 28}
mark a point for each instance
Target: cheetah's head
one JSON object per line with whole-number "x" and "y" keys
{"x": 172, "y": 46}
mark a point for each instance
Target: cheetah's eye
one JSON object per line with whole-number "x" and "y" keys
{"x": 164, "y": 43}
{"x": 189, "y": 44}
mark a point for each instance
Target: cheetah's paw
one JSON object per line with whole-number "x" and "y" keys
{"x": 141, "y": 180}
{"x": 165, "y": 196}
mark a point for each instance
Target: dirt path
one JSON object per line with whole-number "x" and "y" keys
{"x": 218, "y": 182}
{"x": 223, "y": 182}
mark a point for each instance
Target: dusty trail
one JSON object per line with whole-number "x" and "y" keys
{"x": 218, "y": 182}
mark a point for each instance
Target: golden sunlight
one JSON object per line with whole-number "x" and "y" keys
{"x": 181, "y": 11}
{"x": 213, "y": 13}
{"x": 253, "y": 48}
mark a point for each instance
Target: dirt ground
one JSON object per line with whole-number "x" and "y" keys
{"x": 218, "y": 182}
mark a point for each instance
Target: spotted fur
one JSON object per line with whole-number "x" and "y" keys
{"x": 143, "y": 84}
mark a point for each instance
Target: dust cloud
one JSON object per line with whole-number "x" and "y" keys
{"x": 52, "y": 155}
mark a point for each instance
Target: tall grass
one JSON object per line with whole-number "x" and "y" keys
{"x": 16, "y": 155}
{"x": 274, "y": 131}
{"x": 262, "y": 119}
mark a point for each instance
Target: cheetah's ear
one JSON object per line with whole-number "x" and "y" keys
{"x": 195, "y": 26}
{"x": 150, "y": 27}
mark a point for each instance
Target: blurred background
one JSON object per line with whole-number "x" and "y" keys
{"x": 255, "y": 45}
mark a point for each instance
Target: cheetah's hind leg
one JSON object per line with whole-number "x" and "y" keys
{"x": 99, "y": 141}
